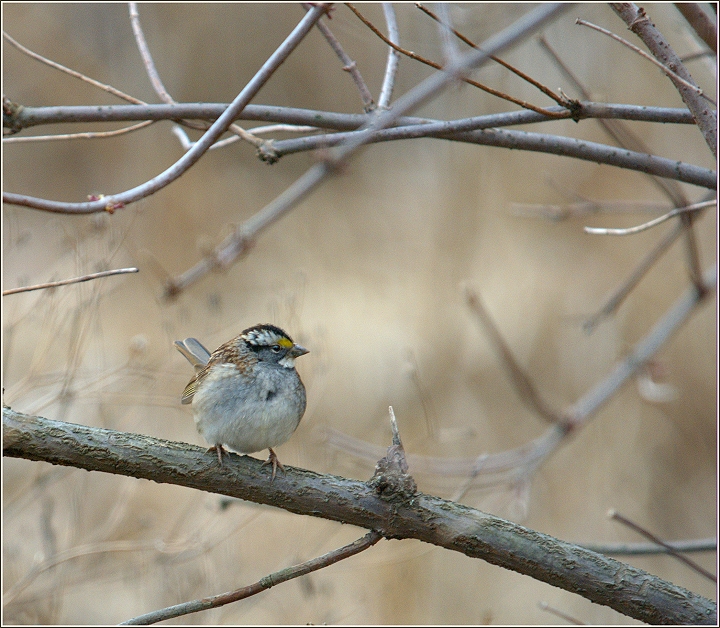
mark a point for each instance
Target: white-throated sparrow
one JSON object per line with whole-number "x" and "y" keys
{"x": 246, "y": 394}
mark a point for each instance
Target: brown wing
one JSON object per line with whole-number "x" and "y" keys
{"x": 227, "y": 352}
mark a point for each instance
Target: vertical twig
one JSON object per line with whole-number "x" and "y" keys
{"x": 348, "y": 64}
{"x": 147, "y": 59}
{"x": 391, "y": 67}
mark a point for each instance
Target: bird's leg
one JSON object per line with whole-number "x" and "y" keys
{"x": 220, "y": 451}
{"x": 273, "y": 460}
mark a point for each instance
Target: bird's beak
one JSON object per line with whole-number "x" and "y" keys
{"x": 298, "y": 350}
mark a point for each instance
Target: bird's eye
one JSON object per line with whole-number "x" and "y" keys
{"x": 275, "y": 348}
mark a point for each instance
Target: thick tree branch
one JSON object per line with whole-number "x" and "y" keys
{"x": 395, "y": 515}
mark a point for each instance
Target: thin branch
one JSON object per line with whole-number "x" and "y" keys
{"x": 677, "y": 78}
{"x": 638, "y": 22}
{"x": 26, "y": 117}
{"x": 430, "y": 519}
{"x": 544, "y": 606}
{"x": 519, "y": 140}
{"x": 620, "y": 132}
{"x": 437, "y": 66}
{"x": 66, "y": 282}
{"x": 583, "y": 207}
{"x": 196, "y": 152}
{"x": 260, "y": 130}
{"x": 693, "y": 56}
{"x": 289, "y": 573}
{"x": 670, "y": 550}
{"x": 451, "y": 51}
{"x": 692, "y": 251}
{"x": 393, "y": 60}
{"x": 513, "y": 465}
{"x": 640, "y": 549}
{"x": 544, "y": 89}
{"x": 700, "y": 22}
{"x": 523, "y": 384}
{"x": 652, "y": 223}
{"x": 239, "y": 242}
{"x": 621, "y": 293}
{"x": 147, "y": 59}
{"x": 88, "y": 549}
{"x": 107, "y": 88}
{"x": 348, "y": 64}
{"x": 78, "y": 136}
{"x": 670, "y": 188}
{"x": 673, "y": 319}
{"x": 158, "y": 85}
{"x": 504, "y": 468}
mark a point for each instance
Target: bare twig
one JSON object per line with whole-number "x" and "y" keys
{"x": 700, "y": 22}
{"x": 391, "y": 478}
{"x": 621, "y": 293}
{"x": 677, "y": 78}
{"x": 159, "y": 87}
{"x": 670, "y": 188}
{"x": 348, "y": 64}
{"x": 391, "y": 67}
{"x": 691, "y": 248}
{"x": 289, "y": 573}
{"x": 450, "y": 48}
{"x": 513, "y": 465}
{"x": 620, "y": 132}
{"x": 638, "y": 549}
{"x": 555, "y": 145}
{"x": 558, "y": 613}
{"x": 583, "y": 207}
{"x": 520, "y": 380}
{"x": 519, "y": 140}
{"x": 66, "y": 282}
{"x": 652, "y": 223}
{"x": 485, "y": 470}
{"x": 239, "y": 242}
{"x": 107, "y": 88}
{"x": 437, "y": 66}
{"x": 693, "y": 56}
{"x": 673, "y": 319}
{"x": 87, "y": 549}
{"x": 668, "y": 548}
{"x": 196, "y": 152}
{"x": 28, "y": 117}
{"x": 638, "y": 22}
{"x": 260, "y": 130}
{"x": 78, "y": 136}
{"x": 147, "y": 59}
{"x": 544, "y": 89}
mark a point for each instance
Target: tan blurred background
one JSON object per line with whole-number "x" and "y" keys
{"x": 368, "y": 274}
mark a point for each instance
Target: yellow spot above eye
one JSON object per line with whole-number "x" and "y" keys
{"x": 285, "y": 343}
